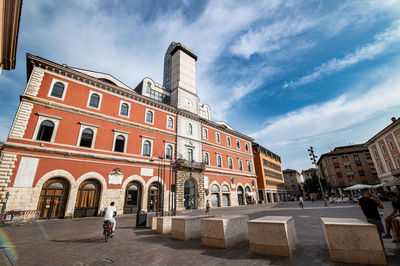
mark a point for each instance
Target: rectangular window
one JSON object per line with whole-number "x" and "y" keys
{"x": 357, "y": 159}
{"x": 383, "y": 149}
{"x": 206, "y": 158}
{"x": 249, "y": 166}
{"x": 240, "y": 165}
{"x": 238, "y": 144}
{"x": 391, "y": 144}
{"x": 228, "y": 141}
{"x": 205, "y": 133}
{"x": 246, "y": 147}
{"x": 190, "y": 155}
{"x": 389, "y": 164}
{"x": 398, "y": 162}
{"x": 219, "y": 161}
{"x": 381, "y": 168}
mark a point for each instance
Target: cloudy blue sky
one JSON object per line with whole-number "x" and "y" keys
{"x": 289, "y": 73}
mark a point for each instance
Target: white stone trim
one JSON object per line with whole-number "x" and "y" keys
{"x": 125, "y": 135}
{"x": 228, "y": 141}
{"x": 83, "y": 127}
{"x": 217, "y": 138}
{"x": 120, "y": 107}
{"x": 32, "y": 88}
{"x": 143, "y": 184}
{"x": 44, "y": 117}
{"x": 91, "y": 92}
{"x": 54, "y": 81}
{"x": 145, "y": 116}
{"x": 103, "y": 201}
{"x": 7, "y": 164}
{"x": 21, "y": 120}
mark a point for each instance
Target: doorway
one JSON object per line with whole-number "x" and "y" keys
{"x": 133, "y": 196}
{"x": 189, "y": 195}
{"x": 53, "y": 198}
{"x": 87, "y": 199}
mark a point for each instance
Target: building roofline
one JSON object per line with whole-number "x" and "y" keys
{"x": 181, "y": 47}
{"x": 394, "y": 123}
{"x": 290, "y": 171}
{"x": 344, "y": 150}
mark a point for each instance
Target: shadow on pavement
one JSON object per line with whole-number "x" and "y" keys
{"x": 82, "y": 240}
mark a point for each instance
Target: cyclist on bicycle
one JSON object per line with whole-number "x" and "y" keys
{"x": 109, "y": 214}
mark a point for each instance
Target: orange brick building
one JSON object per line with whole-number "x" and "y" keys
{"x": 81, "y": 139}
{"x": 271, "y": 186}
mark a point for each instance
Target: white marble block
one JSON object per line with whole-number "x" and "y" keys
{"x": 353, "y": 241}
{"x": 187, "y": 227}
{"x": 224, "y": 231}
{"x": 150, "y": 221}
{"x": 164, "y": 224}
{"x": 272, "y": 235}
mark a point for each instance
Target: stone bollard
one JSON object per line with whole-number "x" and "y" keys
{"x": 272, "y": 235}
{"x": 187, "y": 227}
{"x": 353, "y": 241}
{"x": 224, "y": 231}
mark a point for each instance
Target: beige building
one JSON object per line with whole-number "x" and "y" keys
{"x": 385, "y": 150}
{"x": 10, "y": 13}
{"x": 346, "y": 166}
{"x": 307, "y": 174}
{"x": 292, "y": 182}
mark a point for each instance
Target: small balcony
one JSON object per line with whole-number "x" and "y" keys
{"x": 182, "y": 163}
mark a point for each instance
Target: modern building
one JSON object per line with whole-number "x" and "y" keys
{"x": 346, "y": 166}
{"x": 81, "y": 139}
{"x": 10, "y": 14}
{"x": 385, "y": 150}
{"x": 270, "y": 182}
{"x": 307, "y": 174}
{"x": 292, "y": 182}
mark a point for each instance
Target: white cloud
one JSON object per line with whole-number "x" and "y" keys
{"x": 367, "y": 52}
{"x": 347, "y": 118}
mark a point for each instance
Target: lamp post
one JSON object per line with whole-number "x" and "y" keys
{"x": 162, "y": 177}
{"x": 313, "y": 159}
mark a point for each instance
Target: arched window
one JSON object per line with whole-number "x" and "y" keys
{"x": 219, "y": 161}
{"x": 86, "y": 138}
{"x": 170, "y": 123}
{"x": 146, "y": 148}
{"x": 230, "y": 161}
{"x": 206, "y": 159}
{"x": 240, "y": 165}
{"x": 217, "y": 138}
{"x": 94, "y": 100}
{"x": 246, "y": 146}
{"x": 149, "y": 117}
{"x": 205, "y": 133}
{"x": 168, "y": 152}
{"x": 247, "y": 189}
{"x": 57, "y": 90}
{"x": 249, "y": 166}
{"x": 228, "y": 141}
{"x": 225, "y": 188}
{"x": 119, "y": 145}
{"x": 124, "y": 109}
{"x": 189, "y": 129}
{"x": 214, "y": 189}
{"x": 45, "y": 130}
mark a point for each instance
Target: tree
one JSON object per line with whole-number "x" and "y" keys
{"x": 312, "y": 185}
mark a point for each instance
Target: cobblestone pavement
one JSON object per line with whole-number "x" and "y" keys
{"x": 80, "y": 241}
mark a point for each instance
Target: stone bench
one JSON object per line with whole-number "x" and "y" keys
{"x": 353, "y": 241}
{"x": 272, "y": 235}
{"x": 164, "y": 224}
{"x": 150, "y": 221}
{"x": 224, "y": 231}
{"x": 187, "y": 227}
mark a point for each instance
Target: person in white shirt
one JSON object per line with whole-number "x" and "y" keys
{"x": 109, "y": 214}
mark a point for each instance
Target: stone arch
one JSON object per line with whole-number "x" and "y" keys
{"x": 196, "y": 190}
{"x": 226, "y": 183}
{"x": 72, "y": 183}
{"x": 156, "y": 179}
{"x": 223, "y": 195}
{"x": 143, "y": 183}
{"x": 242, "y": 200}
{"x": 105, "y": 195}
{"x": 219, "y": 194}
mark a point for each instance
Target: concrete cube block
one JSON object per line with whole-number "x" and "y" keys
{"x": 353, "y": 241}
{"x": 187, "y": 227}
{"x": 272, "y": 235}
{"x": 164, "y": 224}
{"x": 224, "y": 231}
{"x": 149, "y": 220}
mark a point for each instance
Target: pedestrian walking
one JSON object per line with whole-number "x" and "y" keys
{"x": 301, "y": 202}
{"x": 207, "y": 207}
{"x": 370, "y": 207}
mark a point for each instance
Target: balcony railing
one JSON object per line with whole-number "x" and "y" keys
{"x": 182, "y": 163}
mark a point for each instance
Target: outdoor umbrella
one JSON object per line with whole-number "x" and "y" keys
{"x": 357, "y": 187}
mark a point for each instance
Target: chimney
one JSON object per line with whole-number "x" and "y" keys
{"x": 393, "y": 119}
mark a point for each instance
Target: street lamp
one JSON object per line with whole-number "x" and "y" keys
{"x": 313, "y": 159}
{"x": 161, "y": 176}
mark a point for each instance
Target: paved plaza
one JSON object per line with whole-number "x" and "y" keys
{"x": 80, "y": 241}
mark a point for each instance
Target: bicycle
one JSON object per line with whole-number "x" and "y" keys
{"x": 107, "y": 230}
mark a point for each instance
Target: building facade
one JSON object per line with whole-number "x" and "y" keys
{"x": 385, "y": 150}
{"x": 292, "y": 182}
{"x": 270, "y": 181}
{"x": 307, "y": 174}
{"x": 346, "y": 166}
{"x": 81, "y": 139}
